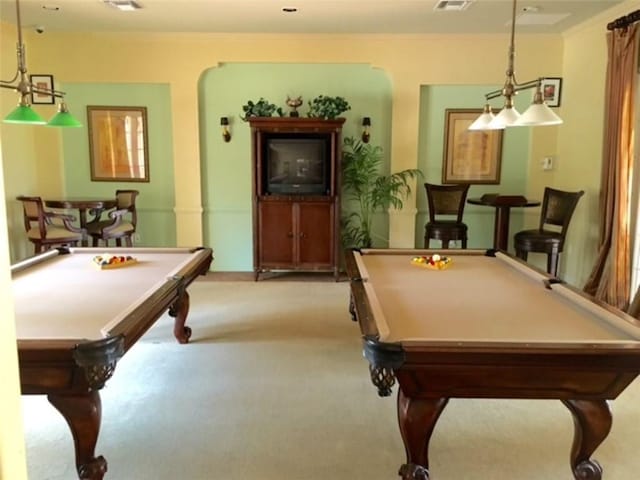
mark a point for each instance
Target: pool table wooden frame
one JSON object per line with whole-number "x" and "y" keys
{"x": 71, "y": 371}
{"x": 430, "y": 371}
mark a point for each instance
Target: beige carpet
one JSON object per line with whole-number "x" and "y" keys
{"x": 274, "y": 387}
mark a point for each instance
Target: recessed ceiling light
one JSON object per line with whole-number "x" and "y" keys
{"x": 289, "y": 9}
{"x": 123, "y": 5}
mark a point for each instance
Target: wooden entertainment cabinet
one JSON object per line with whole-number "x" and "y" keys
{"x": 296, "y": 230}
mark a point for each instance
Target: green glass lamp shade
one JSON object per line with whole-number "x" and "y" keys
{"x": 63, "y": 119}
{"x": 24, "y": 114}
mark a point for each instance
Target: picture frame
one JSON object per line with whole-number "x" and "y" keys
{"x": 552, "y": 91}
{"x": 470, "y": 156}
{"x": 43, "y": 82}
{"x": 118, "y": 144}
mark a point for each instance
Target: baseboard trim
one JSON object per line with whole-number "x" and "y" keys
{"x": 286, "y": 276}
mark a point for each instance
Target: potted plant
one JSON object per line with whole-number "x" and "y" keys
{"x": 368, "y": 190}
{"x": 327, "y": 107}
{"x": 261, "y": 108}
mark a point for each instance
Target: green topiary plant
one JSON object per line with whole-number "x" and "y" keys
{"x": 327, "y": 107}
{"x": 262, "y": 108}
{"x": 371, "y": 192}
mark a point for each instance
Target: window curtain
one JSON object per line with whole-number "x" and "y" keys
{"x": 611, "y": 276}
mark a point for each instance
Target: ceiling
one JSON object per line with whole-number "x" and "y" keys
{"x": 312, "y": 16}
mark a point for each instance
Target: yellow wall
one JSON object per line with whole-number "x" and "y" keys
{"x": 580, "y": 146}
{"x": 578, "y": 155}
{"x": 12, "y": 447}
{"x": 32, "y": 160}
{"x": 410, "y": 61}
{"x": 179, "y": 60}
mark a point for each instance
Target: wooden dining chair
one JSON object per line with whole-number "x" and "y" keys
{"x": 121, "y": 222}
{"x": 557, "y": 209}
{"x": 446, "y": 200}
{"x": 46, "y": 229}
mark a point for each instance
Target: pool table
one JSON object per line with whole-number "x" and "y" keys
{"x": 74, "y": 321}
{"x": 488, "y": 326}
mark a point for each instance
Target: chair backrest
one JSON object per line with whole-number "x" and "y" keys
{"x": 446, "y": 200}
{"x": 126, "y": 199}
{"x": 558, "y": 207}
{"x": 33, "y": 213}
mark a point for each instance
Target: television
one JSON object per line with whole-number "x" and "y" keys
{"x": 296, "y": 165}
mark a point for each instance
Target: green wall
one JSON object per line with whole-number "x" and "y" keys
{"x": 434, "y": 100}
{"x": 156, "y": 219}
{"x": 226, "y": 167}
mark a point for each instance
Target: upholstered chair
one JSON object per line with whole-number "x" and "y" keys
{"x": 120, "y": 224}
{"x": 46, "y": 229}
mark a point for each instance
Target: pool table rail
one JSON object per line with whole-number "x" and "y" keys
{"x": 67, "y": 365}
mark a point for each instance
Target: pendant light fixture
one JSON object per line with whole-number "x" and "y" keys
{"x": 23, "y": 113}
{"x": 538, "y": 112}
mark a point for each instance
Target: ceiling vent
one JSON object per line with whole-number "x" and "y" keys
{"x": 452, "y": 5}
{"x": 124, "y": 5}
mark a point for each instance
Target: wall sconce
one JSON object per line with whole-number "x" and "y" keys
{"x": 366, "y": 125}
{"x": 226, "y": 135}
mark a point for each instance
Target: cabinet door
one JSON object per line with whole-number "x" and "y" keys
{"x": 315, "y": 234}
{"x": 276, "y": 234}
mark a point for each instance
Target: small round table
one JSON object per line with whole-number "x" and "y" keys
{"x": 503, "y": 205}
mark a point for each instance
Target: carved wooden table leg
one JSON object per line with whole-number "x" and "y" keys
{"x": 179, "y": 310}
{"x": 83, "y": 413}
{"x": 417, "y": 418}
{"x": 592, "y": 423}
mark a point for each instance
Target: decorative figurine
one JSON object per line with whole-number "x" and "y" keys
{"x": 294, "y": 103}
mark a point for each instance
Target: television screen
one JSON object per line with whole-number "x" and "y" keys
{"x": 296, "y": 166}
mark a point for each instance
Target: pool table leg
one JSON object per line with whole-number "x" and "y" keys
{"x": 83, "y": 413}
{"x": 352, "y": 308}
{"x": 417, "y": 418}
{"x": 592, "y": 423}
{"x": 180, "y": 310}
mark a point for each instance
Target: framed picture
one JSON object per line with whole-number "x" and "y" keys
{"x": 470, "y": 156}
{"x": 551, "y": 91}
{"x": 118, "y": 145}
{"x": 44, "y": 82}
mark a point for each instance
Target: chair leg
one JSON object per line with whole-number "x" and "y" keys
{"x": 94, "y": 241}
{"x": 552, "y": 263}
{"x": 523, "y": 254}
{"x": 127, "y": 241}
{"x": 445, "y": 244}
{"x": 464, "y": 242}
{"x": 426, "y": 242}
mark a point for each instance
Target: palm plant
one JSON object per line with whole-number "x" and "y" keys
{"x": 370, "y": 191}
